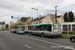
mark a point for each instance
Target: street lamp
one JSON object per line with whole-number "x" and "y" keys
{"x": 55, "y": 14}
{"x": 37, "y": 14}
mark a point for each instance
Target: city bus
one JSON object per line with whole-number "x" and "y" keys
{"x": 21, "y": 29}
{"x": 49, "y": 29}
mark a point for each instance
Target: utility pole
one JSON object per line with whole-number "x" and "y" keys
{"x": 2, "y": 25}
{"x": 68, "y": 25}
{"x": 55, "y": 14}
{"x": 38, "y": 17}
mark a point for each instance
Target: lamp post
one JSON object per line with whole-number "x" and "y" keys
{"x": 55, "y": 14}
{"x": 37, "y": 14}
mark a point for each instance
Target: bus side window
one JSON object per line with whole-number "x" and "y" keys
{"x": 30, "y": 27}
{"x": 34, "y": 28}
{"x": 42, "y": 29}
{"x": 49, "y": 27}
{"x": 38, "y": 28}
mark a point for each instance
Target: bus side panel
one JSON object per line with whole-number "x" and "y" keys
{"x": 46, "y": 33}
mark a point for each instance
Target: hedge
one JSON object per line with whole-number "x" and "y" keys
{"x": 70, "y": 32}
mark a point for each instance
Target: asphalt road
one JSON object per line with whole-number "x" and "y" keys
{"x": 12, "y": 41}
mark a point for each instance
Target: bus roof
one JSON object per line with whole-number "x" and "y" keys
{"x": 42, "y": 24}
{"x": 38, "y": 24}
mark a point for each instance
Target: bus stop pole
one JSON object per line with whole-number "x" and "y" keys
{"x": 68, "y": 25}
{"x": 68, "y": 30}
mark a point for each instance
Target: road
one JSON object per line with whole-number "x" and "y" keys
{"x": 12, "y": 41}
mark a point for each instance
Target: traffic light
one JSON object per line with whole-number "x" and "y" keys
{"x": 3, "y": 23}
{"x": 12, "y": 17}
{"x": 0, "y": 23}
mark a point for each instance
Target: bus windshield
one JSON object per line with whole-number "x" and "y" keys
{"x": 22, "y": 28}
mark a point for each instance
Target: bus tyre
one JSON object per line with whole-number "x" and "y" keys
{"x": 30, "y": 32}
{"x": 53, "y": 36}
{"x": 42, "y": 35}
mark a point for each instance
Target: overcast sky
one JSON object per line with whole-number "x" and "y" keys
{"x": 22, "y": 8}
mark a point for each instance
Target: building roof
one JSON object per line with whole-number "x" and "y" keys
{"x": 40, "y": 18}
{"x": 59, "y": 16}
{"x": 34, "y": 19}
{"x": 23, "y": 19}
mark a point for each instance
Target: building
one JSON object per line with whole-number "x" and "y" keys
{"x": 26, "y": 20}
{"x": 35, "y": 21}
{"x": 60, "y": 19}
{"x": 68, "y": 26}
{"x": 44, "y": 19}
{"x": 38, "y": 20}
{"x": 23, "y": 19}
{"x": 2, "y": 26}
{"x": 18, "y": 21}
{"x": 48, "y": 19}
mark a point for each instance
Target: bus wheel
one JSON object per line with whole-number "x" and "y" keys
{"x": 42, "y": 35}
{"x": 30, "y": 32}
{"x": 53, "y": 36}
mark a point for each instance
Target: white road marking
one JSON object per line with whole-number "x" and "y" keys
{"x": 13, "y": 39}
{"x": 27, "y": 46}
{"x": 44, "y": 41}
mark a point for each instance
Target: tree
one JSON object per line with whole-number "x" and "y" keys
{"x": 6, "y": 26}
{"x": 14, "y": 25}
{"x": 71, "y": 16}
{"x": 65, "y": 17}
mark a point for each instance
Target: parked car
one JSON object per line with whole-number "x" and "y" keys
{"x": 72, "y": 38}
{"x": 13, "y": 30}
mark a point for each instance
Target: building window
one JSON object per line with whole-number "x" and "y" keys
{"x": 73, "y": 27}
{"x": 69, "y": 27}
{"x": 64, "y": 27}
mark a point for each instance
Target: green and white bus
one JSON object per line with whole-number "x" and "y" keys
{"x": 50, "y": 29}
{"x": 21, "y": 29}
